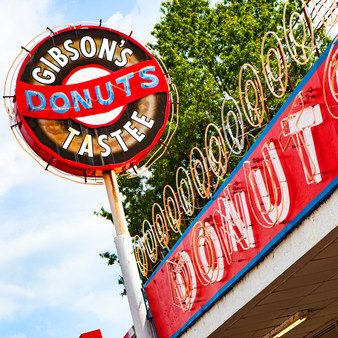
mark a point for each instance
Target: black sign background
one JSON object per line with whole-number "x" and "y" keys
{"x": 46, "y": 136}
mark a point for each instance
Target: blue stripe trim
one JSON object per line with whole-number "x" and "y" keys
{"x": 262, "y": 254}
{"x": 332, "y": 186}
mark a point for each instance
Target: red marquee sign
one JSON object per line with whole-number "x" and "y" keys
{"x": 90, "y": 99}
{"x": 286, "y": 174}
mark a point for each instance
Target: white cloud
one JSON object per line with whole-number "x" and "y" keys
{"x": 20, "y": 21}
{"x": 106, "y": 305}
{"x": 8, "y": 309}
{"x": 10, "y": 168}
{"x": 140, "y": 20}
{"x": 57, "y": 234}
{"x": 13, "y": 300}
{"x": 69, "y": 275}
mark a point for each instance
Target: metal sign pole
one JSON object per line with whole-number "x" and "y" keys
{"x": 127, "y": 259}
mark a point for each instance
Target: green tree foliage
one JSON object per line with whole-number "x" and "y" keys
{"x": 204, "y": 47}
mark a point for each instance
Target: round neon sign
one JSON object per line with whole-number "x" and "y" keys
{"x": 90, "y": 99}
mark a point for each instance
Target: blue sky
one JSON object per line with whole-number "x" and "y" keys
{"x": 52, "y": 281}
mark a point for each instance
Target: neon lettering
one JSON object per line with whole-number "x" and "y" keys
{"x": 144, "y": 74}
{"x": 134, "y": 132}
{"x": 124, "y": 59}
{"x": 106, "y": 50}
{"x": 55, "y": 107}
{"x": 87, "y": 146}
{"x": 267, "y": 187}
{"x": 35, "y": 100}
{"x": 110, "y": 92}
{"x": 47, "y": 77}
{"x": 77, "y": 98}
{"x": 72, "y": 133}
{"x": 142, "y": 120}
{"x": 299, "y": 129}
{"x": 125, "y": 81}
{"x": 117, "y": 134}
{"x": 88, "y": 41}
{"x": 182, "y": 281}
{"x": 57, "y": 55}
{"x": 72, "y": 50}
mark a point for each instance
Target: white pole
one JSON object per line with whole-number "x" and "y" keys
{"x": 124, "y": 248}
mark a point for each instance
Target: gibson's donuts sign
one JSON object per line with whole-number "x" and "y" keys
{"x": 90, "y": 99}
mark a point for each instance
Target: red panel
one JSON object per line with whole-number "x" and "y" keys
{"x": 179, "y": 291}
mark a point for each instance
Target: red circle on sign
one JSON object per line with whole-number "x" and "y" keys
{"x": 91, "y": 99}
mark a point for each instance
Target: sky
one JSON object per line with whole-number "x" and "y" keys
{"x": 52, "y": 281}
